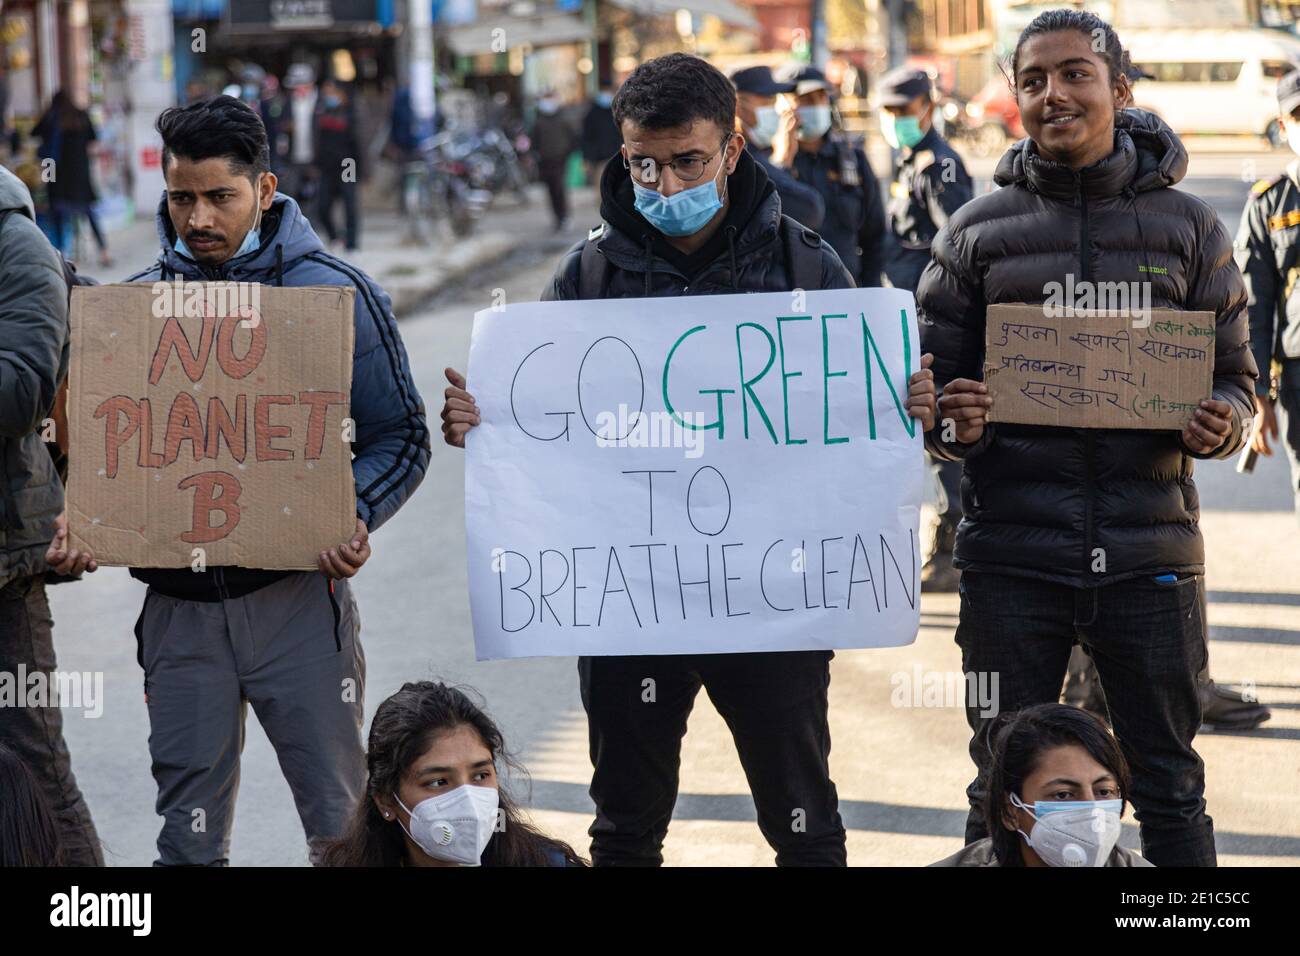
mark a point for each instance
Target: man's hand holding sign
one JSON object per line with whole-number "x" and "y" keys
{"x": 739, "y": 477}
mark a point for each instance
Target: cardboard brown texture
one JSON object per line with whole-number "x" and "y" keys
{"x": 1084, "y": 369}
{"x": 222, "y": 431}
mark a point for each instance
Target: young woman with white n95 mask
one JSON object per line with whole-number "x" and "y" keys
{"x": 433, "y": 796}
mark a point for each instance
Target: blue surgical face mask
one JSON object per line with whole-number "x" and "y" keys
{"x": 766, "y": 123}
{"x": 900, "y": 131}
{"x": 252, "y": 242}
{"x": 814, "y": 121}
{"x": 332, "y": 101}
{"x": 683, "y": 213}
{"x": 604, "y": 99}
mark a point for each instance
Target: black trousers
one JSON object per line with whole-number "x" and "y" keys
{"x": 332, "y": 188}
{"x": 776, "y": 707}
{"x": 553, "y": 173}
{"x": 36, "y": 733}
{"x": 1148, "y": 641}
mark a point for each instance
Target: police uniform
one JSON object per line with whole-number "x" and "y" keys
{"x": 1268, "y": 254}
{"x": 855, "y": 213}
{"x": 798, "y": 200}
{"x": 930, "y": 184}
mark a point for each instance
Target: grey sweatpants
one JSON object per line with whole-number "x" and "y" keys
{"x": 291, "y": 649}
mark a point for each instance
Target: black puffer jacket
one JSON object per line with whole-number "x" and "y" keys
{"x": 746, "y": 255}
{"x": 1039, "y": 501}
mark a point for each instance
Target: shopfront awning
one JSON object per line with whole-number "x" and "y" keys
{"x": 725, "y": 10}
{"x": 482, "y": 36}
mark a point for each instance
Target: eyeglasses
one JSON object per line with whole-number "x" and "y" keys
{"x": 688, "y": 169}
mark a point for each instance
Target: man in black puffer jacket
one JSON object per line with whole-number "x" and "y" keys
{"x": 1090, "y": 534}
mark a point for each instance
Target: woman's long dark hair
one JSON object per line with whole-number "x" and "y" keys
{"x": 403, "y": 728}
{"x": 1019, "y": 739}
{"x": 29, "y": 834}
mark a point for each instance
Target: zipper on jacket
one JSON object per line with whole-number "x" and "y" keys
{"x": 1083, "y": 235}
{"x": 334, "y": 606}
{"x": 1088, "y": 446}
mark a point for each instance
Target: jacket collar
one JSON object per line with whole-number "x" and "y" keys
{"x": 286, "y": 235}
{"x": 1147, "y": 155}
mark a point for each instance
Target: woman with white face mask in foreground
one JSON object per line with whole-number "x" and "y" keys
{"x": 433, "y": 797}
{"x": 1056, "y": 793}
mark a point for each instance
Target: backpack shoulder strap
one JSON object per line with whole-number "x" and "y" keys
{"x": 803, "y": 254}
{"x": 593, "y": 269}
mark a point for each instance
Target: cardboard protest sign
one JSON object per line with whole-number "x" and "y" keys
{"x": 210, "y": 424}
{"x": 712, "y": 474}
{"x": 1082, "y": 368}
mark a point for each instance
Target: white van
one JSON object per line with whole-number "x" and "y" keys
{"x": 1213, "y": 81}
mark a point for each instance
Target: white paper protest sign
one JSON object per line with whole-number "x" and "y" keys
{"x": 709, "y": 474}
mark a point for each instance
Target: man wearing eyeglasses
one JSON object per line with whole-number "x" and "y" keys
{"x": 687, "y": 211}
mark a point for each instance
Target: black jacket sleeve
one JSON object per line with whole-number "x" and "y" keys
{"x": 1219, "y": 288}
{"x": 950, "y": 311}
{"x": 799, "y": 201}
{"x": 1255, "y": 258}
{"x": 871, "y": 237}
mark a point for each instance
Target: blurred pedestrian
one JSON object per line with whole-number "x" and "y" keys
{"x": 1056, "y": 794}
{"x": 600, "y": 136}
{"x": 554, "y": 141}
{"x": 1087, "y": 534}
{"x": 434, "y": 794}
{"x": 678, "y": 201}
{"x": 264, "y": 631}
{"x": 33, "y": 361}
{"x": 838, "y": 169}
{"x": 66, "y": 135}
{"x": 300, "y": 81}
{"x": 338, "y": 157}
{"x": 29, "y": 833}
{"x": 767, "y": 132}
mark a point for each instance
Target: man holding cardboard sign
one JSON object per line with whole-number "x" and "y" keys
{"x": 249, "y": 427}
{"x": 1082, "y": 527}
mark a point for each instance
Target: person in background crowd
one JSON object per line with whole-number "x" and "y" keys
{"x": 66, "y": 135}
{"x": 1267, "y": 254}
{"x": 600, "y": 136}
{"x": 339, "y": 160}
{"x": 33, "y": 361}
{"x": 284, "y": 641}
{"x": 768, "y": 132}
{"x": 1056, "y": 793}
{"x": 434, "y": 796}
{"x": 1086, "y": 534}
{"x": 300, "y": 126}
{"x": 554, "y": 140}
{"x": 1222, "y": 708}
{"x": 29, "y": 832}
{"x": 678, "y": 201}
{"x": 838, "y": 169}
{"x": 273, "y": 107}
{"x": 930, "y": 184}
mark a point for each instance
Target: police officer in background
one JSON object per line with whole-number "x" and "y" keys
{"x": 838, "y": 170}
{"x": 771, "y": 137}
{"x": 930, "y": 184}
{"x": 1268, "y": 253}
